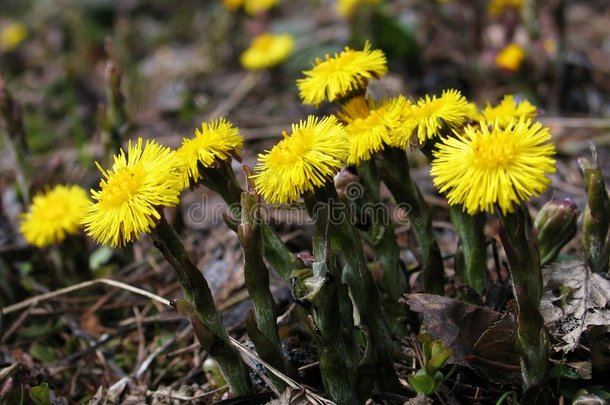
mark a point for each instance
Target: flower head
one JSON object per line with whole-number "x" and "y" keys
{"x": 451, "y": 108}
{"x": 504, "y": 166}
{"x": 507, "y": 111}
{"x": 302, "y": 161}
{"x": 346, "y": 8}
{"x": 510, "y": 57}
{"x": 369, "y": 125}
{"x": 267, "y": 50}
{"x": 12, "y": 35}
{"x": 145, "y": 179}
{"x": 53, "y": 215}
{"x": 341, "y": 75}
{"x": 251, "y": 7}
{"x": 218, "y": 140}
{"x": 497, "y": 7}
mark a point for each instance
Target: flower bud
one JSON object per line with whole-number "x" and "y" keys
{"x": 556, "y": 225}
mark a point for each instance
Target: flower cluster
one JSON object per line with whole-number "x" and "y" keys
{"x": 495, "y": 157}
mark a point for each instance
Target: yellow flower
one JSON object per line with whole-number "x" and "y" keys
{"x": 507, "y": 111}
{"x": 128, "y": 202}
{"x": 302, "y": 161}
{"x": 369, "y": 125}
{"x": 497, "y": 7}
{"x": 218, "y": 140}
{"x": 12, "y": 35}
{"x": 53, "y": 215}
{"x": 232, "y": 5}
{"x": 504, "y": 166}
{"x": 251, "y": 7}
{"x": 345, "y": 73}
{"x": 451, "y": 108}
{"x": 346, "y": 8}
{"x": 267, "y": 50}
{"x": 510, "y": 57}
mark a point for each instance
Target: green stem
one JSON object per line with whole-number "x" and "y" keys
{"x": 257, "y": 283}
{"x": 207, "y": 319}
{"x": 596, "y": 222}
{"x": 532, "y": 341}
{"x": 222, "y": 180}
{"x": 332, "y": 313}
{"x": 382, "y": 236}
{"x": 471, "y": 255}
{"x": 395, "y": 174}
{"x": 346, "y": 244}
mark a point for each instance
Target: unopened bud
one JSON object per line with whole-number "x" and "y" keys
{"x": 556, "y": 226}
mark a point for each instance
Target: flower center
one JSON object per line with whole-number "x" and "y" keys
{"x": 429, "y": 108}
{"x": 123, "y": 185}
{"x": 491, "y": 152}
{"x": 293, "y": 148}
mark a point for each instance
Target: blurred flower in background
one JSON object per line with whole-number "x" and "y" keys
{"x": 53, "y": 215}
{"x": 267, "y": 50}
{"x": 497, "y": 7}
{"x": 346, "y": 8}
{"x": 251, "y": 7}
{"x": 510, "y": 57}
{"x": 11, "y": 35}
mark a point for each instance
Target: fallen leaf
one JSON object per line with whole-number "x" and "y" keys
{"x": 573, "y": 299}
{"x": 291, "y": 396}
{"x": 458, "y": 324}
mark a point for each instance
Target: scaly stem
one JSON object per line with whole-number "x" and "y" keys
{"x": 222, "y": 180}
{"x": 395, "y": 174}
{"x": 532, "y": 337}
{"x": 206, "y": 318}
{"x": 381, "y": 235}
{"x": 345, "y": 243}
{"x": 471, "y": 256}
{"x": 263, "y": 332}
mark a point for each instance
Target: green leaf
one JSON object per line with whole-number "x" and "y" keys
{"x": 563, "y": 372}
{"x": 422, "y": 382}
{"x": 40, "y": 394}
{"x": 43, "y": 353}
{"x": 437, "y": 362}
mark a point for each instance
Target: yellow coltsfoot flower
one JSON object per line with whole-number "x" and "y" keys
{"x": 251, "y": 7}
{"x": 369, "y": 125}
{"x": 341, "y": 75}
{"x": 430, "y": 113}
{"x": 302, "y": 161}
{"x": 53, "y": 215}
{"x": 141, "y": 182}
{"x": 347, "y": 8}
{"x": 510, "y": 57}
{"x": 267, "y": 50}
{"x": 497, "y": 7}
{"x": 483, "y": 167}
{"x": 507, "y": 110}
{"x": 217, "y": 140}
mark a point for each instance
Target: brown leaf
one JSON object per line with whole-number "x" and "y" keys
{"x": 458, "y": 324}
{"x": 291, "y": 397}
{"x": 573, "y": 299}
{"x": 478, "y": 337}
{"x": 494, "y": 353}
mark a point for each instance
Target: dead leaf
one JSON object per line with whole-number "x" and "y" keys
{"x": 458, "y": 324}
{"x": 573, "y": 299}
{"x": 291, "y": 396}
{"x": 494, "y": 353}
